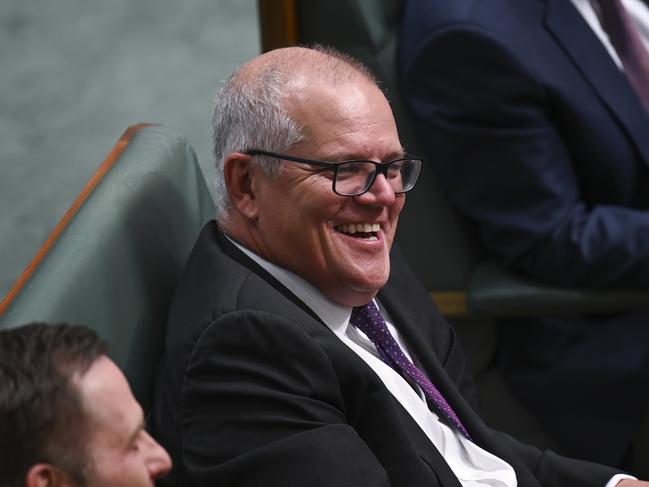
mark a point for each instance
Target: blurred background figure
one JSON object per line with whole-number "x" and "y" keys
{"x": 534, "y": 114}
{"x": 67, "y": 414}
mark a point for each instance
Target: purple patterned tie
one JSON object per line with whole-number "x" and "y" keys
{"x": 628, "y": 45}
{"x": 368, "y": 319}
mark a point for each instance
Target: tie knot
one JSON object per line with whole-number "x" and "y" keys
{"x": 366, "y": 314}
{"x": 368, "y": 319}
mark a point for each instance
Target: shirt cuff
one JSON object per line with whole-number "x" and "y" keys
{"x": 616, "y": 478}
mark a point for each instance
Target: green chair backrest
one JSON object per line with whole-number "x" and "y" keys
{"x": 113, "y": 262}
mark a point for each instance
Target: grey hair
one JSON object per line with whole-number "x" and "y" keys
{"x": 248, "y": 114}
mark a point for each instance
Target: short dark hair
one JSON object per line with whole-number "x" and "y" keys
{"x": 40, "y": 407}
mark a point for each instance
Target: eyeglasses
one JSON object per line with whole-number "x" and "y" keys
{"x": 353, "y": 178}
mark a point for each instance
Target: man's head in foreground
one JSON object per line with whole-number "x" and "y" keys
{"x": 332, "y": 227}
{"x": 67, "y": 414}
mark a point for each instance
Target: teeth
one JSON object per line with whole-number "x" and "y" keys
{"x": 353, "y": 228}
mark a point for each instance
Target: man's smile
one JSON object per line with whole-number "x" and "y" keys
{"x": 367, "y": 231}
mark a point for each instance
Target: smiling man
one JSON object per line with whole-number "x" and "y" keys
{"x": 300, "y": 349}
{"x": 67, "y": 415}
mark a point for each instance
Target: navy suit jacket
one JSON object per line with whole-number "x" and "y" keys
{"x": 539, "y": 139}
{"x": 535, "y": 133}
{"x": 254, "y": 390}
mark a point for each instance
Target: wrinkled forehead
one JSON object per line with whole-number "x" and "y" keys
{"x": 350, "y": 116}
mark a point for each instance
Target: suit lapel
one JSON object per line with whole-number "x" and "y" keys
{"x": 413, "y": 324}
{"x": 593, "y": 60}
{"x": 234, "y": 253}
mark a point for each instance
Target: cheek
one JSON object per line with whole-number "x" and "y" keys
{"x": 398, "y": 205}
{"x": 301, "y": 223}
{"x": 394, "y": 213}
{"x": 124, "y": 468}
{"x": 134, "y": 470}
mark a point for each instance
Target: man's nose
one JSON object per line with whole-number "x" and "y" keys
{"x": 158, "y": 460}
{"x": 380, "y": 192}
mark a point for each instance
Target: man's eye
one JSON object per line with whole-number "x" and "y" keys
{"x": 135, "y": 442}
{"x": 347, "y": 169}
{"x": 394, "y": 171}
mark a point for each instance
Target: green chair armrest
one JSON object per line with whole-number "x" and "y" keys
{"x": 495, "y": 292}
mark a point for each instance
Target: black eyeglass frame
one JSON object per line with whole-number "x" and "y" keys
{"x": 380, "y": 168}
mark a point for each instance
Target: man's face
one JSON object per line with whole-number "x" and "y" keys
{"x": 302, "y": 224}
{"x": 121, "y": 452}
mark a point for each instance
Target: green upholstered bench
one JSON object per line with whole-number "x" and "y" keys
{"x": 113, "y": 261}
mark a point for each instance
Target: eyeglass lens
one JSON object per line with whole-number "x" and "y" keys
{"x": 355, "y": 177}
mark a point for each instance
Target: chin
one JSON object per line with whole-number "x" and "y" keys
{"x": 350, "y": 291}
{"x": 370, "y": 287}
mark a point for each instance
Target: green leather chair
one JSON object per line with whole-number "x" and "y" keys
{"x": 113, "y": 261}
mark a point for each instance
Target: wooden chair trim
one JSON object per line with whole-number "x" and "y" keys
{"x": 277, "y": 23}
{"x": 452, "y": 304}
{"x": 101, "y": 172}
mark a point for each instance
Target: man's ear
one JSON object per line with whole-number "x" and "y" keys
{"x": 46, "y": 475}
{"x": 241, "y": 176}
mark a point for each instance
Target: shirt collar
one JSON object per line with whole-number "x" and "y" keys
{"x": 334, "y": 315}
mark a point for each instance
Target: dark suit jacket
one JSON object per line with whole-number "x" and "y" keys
{"x": 255, "y": 390}
{"x": 540, "y": 140}
{"x": 535, "y": 133}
